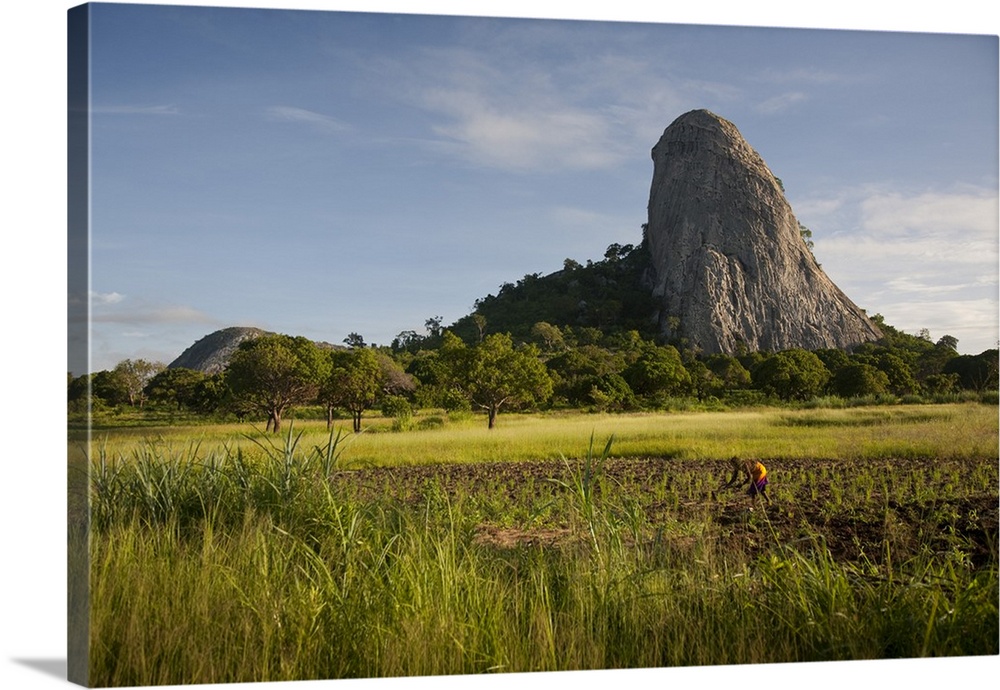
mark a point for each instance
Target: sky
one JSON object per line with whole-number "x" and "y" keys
{"x": 321, "y": 173}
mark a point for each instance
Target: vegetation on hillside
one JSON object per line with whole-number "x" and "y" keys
{"x": 582, "y": 338}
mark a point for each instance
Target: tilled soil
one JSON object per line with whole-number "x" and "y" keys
{"x": 806, "y": 509}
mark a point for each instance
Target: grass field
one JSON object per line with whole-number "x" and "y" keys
{"x": 553, "y": 542}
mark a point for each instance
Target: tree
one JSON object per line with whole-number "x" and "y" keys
{"x": 406, "y": 340}
{"x": 575, "y": 371}
{"x": 354, "y": 340}
{"x": 975, "y": 372}
{"x": 433, "y": 326}
{"x": 548, "y": 335}
{"x": 730, "y": 373}
{"x": 212, "y": 393}
{"x": 791, "y": 375}
{"x": 611, "y": 393}
{"x": 272, "y": 373}
{"x": 658, "y": 370}
{"x": 133, "y": 375}
{"x": 106, "y": 387}
{"x": 859, "y": 380}
{"x": 175, "y": 386}
{"x": 354, "y": 383}
{"x": 899, "y": 373}
{"x": 480, "y": 322}
{"x": 494, "y": 374}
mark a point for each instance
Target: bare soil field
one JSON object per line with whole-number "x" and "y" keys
{"x": 921, "y": 504}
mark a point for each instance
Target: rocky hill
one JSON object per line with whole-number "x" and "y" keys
{"x": 729, "y": 267}
{"x": 211, "y": 354}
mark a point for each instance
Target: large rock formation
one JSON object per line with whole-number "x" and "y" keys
{"x": 211, "y": 354}
{"x": 730, "y": 268}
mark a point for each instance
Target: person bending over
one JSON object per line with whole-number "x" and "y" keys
{"x": 750, "y": 472}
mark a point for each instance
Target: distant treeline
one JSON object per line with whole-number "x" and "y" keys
{"x": 548, "y": 367}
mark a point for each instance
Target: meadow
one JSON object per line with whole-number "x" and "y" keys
{"x": 552, "y": 542}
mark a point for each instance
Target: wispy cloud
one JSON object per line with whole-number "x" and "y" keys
{"x": 781, "y": 102}
{"x": 917, "y": 258}
{"x": 136, "y": 110}
{"x": 808, "y": 75}
{"x": 521, "y": 113}
{"x": 169, "y": 314}
{"x": 113, "y": 307}
{"x": 524, "y": 137}
{"x": 97, "y": 298}
{"x": 326, "y": 123}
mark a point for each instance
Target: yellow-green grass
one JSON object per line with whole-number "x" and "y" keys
{"x": 941, "y": 431}
{"x": 266, "y": 571}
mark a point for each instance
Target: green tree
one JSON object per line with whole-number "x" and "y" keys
{"x": 480, "y": 322}
{"x": 729, "y": 373}
{"x": 175, "y": 386}
{"x": 354, "y": 340}
{"x": 611, "y": 392}
{"x": 549, "y": 336}
{"x": 658, "y": 371}
{"x": 354, "y": 383}
{"x": 791, "y": 375}
{"x": 212, "y": 394}
{"x": 975, "y": 372}
{"x": 495, "y": 374}
{"x": 133, "y": 375}
{"x": 892, "y": 363}
{"x": 575, "y": 371}
{"x": 106, "y": 388}
{"x": 859, "y": 380}
{"x": 272, "y": 373}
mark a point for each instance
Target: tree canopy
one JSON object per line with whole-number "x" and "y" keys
{"x": 274, "y": 372}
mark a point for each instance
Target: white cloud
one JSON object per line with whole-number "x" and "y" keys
{"x": 781, "y": 102}
{"x": 107, "y": 311}
{"x": 159, "y": 315}
{"x": 284, "y": 113}
{"x": 937, "y": 213}
{"x": 526, "y": 138}
{"x": 515, "y": 113}
{"x": 98, "y": 298}
{"x": 974, "y": 322}
{"x": 136, "y": 110}
{"x": 922, "y": 260}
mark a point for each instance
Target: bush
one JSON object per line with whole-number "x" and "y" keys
{"x": 399, "y": 409}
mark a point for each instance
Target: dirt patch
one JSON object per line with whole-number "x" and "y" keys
{"x": 511, "y": 537}
{"x": 813, "y": 502}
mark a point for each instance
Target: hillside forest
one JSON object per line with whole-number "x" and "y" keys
{"x": 580, "y": 338}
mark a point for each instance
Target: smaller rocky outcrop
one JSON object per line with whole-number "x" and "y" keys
{"x": 211, "y": 354}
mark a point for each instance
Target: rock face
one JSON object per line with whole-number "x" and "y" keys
{"x": 211, "y": 354}
{"x": 730, "y": 268}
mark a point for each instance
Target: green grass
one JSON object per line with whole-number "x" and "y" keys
{"x": 221, "y": 556}
{"x": 956, "y": 430}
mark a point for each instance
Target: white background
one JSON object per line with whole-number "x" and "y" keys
{"x": 32, "y": 557}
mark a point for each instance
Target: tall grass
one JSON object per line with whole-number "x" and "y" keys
{"x": 245, "y": 562}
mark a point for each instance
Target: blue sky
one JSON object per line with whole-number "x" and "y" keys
{"x": 321, "y": 173}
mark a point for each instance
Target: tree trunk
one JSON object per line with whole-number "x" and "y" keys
{"x": 357, "y": 421}
{"x": 275, "y": 421}
{"x": 329, "y": 417}
{"x": 492, "y": 415}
